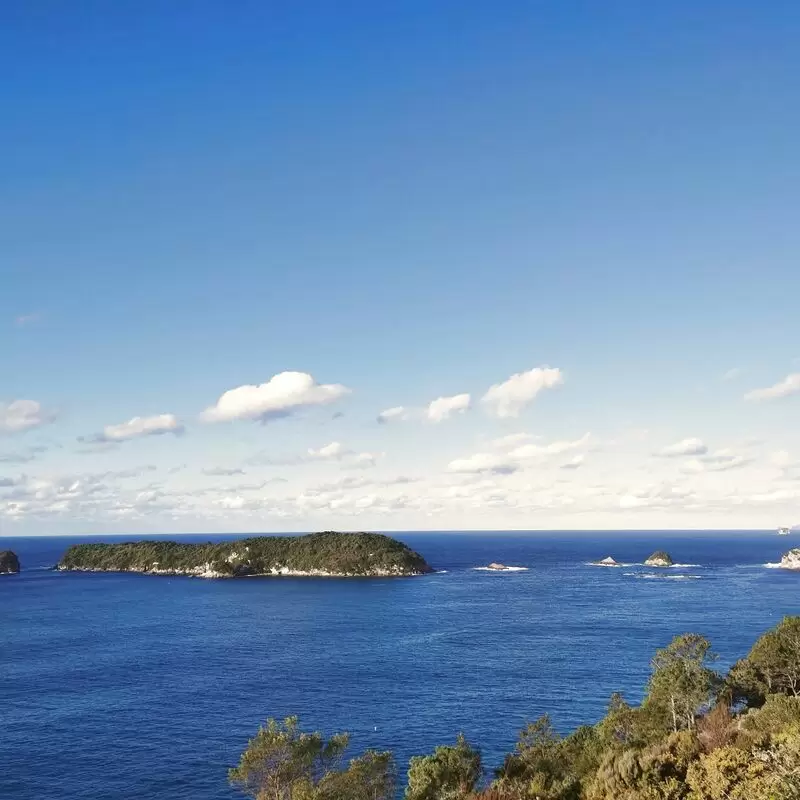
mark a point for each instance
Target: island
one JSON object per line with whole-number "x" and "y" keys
{"x": 326, "y": 554}
{"x": 9, "y": 563}
{"x": 608, "y": 561}
{"x": 791, "y": 560}
{"x": 659, "y": 559}
{"x": 497, "y": 567}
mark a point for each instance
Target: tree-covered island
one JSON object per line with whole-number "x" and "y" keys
{"x": 328, "y": 554}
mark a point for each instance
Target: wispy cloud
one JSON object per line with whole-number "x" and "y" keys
{"x": 27, "y": 319}
{"x": 23, "y": 415}
{"x": 788, "y": 386}
{"x": 136, "y": 428}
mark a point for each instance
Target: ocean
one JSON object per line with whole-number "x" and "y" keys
{"x": 148, "y": 687}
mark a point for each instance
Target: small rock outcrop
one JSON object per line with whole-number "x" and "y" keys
{"x": 608, "y": 561}
{"x": 791, "y": 560}
{"x": 497, "y": 567}
{"x": 9, "y": 563}
{"x": 659, "y": 559}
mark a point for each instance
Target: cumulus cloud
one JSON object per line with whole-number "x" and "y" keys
{"x": 788, "y": 386}
{"x": 23, "y": 415}
{"x": 685, "y": 447}
{"x": 395, "y": 414}
{"x": 574, "y": 463}
{"x": 444, "y": 407}
{"x": 334, "y": 450}
{"x": 136, "y": 428}
{"x": 282, "y": 395}
{"x": 509, "y": 398}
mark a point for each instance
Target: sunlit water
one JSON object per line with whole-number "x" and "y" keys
{"x": 129, "y": 686}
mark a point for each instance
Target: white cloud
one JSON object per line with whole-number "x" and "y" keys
{"x": 685, "y": 447}
{"x": 511, "y": 441}
{"x": 365, "y": 460}
{"x": 330, "y": 451}
{"x": 655, "y": 496}
{"x": 788, "y": 386}
{"x": 22, "y": 415}
{"x": 529, "y": 451}
{"x": 783, "y": 460}
{"x": 493, "y": 463}
{"x": 395, "y": 414}
{"x": 223, "y": 472}
{"x": 443, "y": 407}
{"x": 499, "y": 463}
{"x": 509, "y": 398}
{"x": 282, "y": 395}
{"x": 575, "y": 462}
{"x": 720, "y": 461}
{"x": 732, "y": 374}
{"x": 136, "y": 428}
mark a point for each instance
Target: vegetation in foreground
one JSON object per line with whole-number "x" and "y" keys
{"x": 698, "y": 735}
{"x": 331, "y": 552}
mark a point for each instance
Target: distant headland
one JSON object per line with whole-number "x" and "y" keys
{"x": 9, "y": 563}
{"x": 327, "y": 554}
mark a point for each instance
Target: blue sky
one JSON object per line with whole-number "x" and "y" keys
{"x": 412, "y": 201}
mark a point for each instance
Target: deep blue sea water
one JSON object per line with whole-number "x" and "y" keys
{"x": 130, "y": 686}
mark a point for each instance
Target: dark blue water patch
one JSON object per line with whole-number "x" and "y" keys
{"x": 149, "y": 687}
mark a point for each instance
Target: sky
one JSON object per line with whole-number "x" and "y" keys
{"x": 437, "y": 266}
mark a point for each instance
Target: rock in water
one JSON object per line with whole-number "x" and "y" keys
{"x": 791, "y": 560}
{"x": 607, "y": 562}
{"x": 8, "y": 562}
{"x": 659, "y": 559}
{"x": 499, "y": 567}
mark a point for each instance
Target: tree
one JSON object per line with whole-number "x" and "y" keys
{"x": 774, "y": 661}
{"x": 368, "y": 777}
{"x": 546, "y": 766}
{"x": 682, "y": 683}
{"x": 450, "y": 773}
{"x": 283, "y": 763}
{"x": 657, "y": 772}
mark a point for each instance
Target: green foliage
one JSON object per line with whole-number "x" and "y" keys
{"x": 657, "y": 772}
{"x": 335, "y": 553}
{"x": 283, "y": 763}
{"x": 682, "y": 684}
{"x": 690, "y": 739}
{"x": 450, "y": 773}
{"x": 371, "y": 776}
{"x": 773, "y": 664}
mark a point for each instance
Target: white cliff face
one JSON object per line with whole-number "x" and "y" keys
{"x": 791, "y": 560}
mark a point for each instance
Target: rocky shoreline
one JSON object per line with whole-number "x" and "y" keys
{"x": 207, "y": 571}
